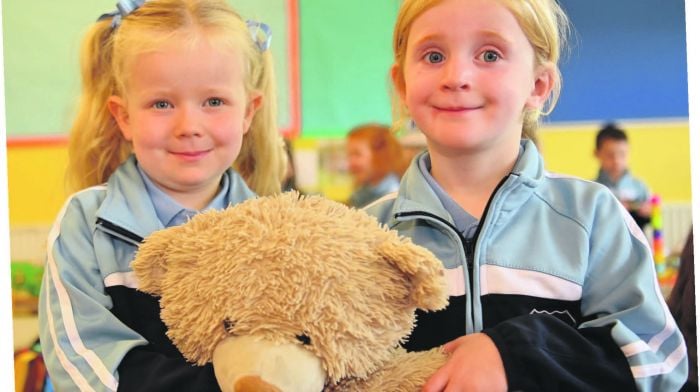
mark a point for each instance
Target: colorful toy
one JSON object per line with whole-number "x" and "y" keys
{"x": 26, "y": 281}
{"x": 663, "y": 272}
{"x": 658, "y": 238}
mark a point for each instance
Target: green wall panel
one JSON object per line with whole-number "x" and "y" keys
{"x": 345, "y": 59}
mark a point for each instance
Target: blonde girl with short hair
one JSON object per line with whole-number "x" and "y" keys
{"x": 177, "y": 115}
{"x": 552, "y": 285}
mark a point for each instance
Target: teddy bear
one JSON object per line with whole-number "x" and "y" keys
{"x": 294, "y": 293}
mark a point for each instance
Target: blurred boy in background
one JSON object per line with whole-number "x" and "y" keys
{"x": 612, "y": 151}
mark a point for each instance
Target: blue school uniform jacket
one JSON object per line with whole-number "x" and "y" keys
{"x": 626, "y": 188}
{"x": 558, "y": 275}
{"x": 369, "y": 193}
{"x": 98, "y": 333}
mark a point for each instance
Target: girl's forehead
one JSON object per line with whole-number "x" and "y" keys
{"x": 450, "y": 17}
{"x": 183, "y": 65}
{"x": 183, "y": 46}
{"x": 153, "y": 39}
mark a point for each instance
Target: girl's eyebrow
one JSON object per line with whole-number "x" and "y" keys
{"x": 490, "y": 35}
{"x": 427, "y": 39}
{"x": 494, "y": 36}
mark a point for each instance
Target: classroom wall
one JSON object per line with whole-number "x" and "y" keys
{"x": 35, "y": 176}
{"x": 627, "y": 62}
{"x": 626, "y": 59}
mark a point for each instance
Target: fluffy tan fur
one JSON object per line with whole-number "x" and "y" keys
{"x": 282, "y": 266}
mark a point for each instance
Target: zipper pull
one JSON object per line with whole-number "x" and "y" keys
{"x": 469, "y": 252}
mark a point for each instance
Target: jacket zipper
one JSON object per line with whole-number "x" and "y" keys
{"x": 475, "y": 239}
{"x": 119, "y": 231}
{"x": 483, "y": 217}
{"x": 469, "y": 246}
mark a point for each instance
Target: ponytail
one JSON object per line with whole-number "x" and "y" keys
{"x": 95, "y": 144}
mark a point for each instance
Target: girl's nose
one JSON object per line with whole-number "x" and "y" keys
{"x": 188, "y": 122}
{"x": 457, "y": 74}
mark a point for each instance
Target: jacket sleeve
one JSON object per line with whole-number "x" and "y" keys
{"x": 145, "y": 370}
{"x": 85, "y": 346}
{"x": 627, "y": 338}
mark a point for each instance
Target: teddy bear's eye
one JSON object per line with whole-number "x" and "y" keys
{"x": 304, "y": 339}
{"x": 228, "y": 325}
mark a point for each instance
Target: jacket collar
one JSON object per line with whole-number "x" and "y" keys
{"x": 418, "y": 196}
{"x": 128, "y": 205}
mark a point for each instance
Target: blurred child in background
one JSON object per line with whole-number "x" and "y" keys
{"x": 375, "y": 161}
{"x": 612, "y": 151}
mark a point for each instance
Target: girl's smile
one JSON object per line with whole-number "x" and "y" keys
{"x": 191, "y": 155}
{"x": 456, "y": 109}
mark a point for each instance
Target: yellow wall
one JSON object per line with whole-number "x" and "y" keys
{"x": 35, "y": 179}
{"x": 659, "y": 154}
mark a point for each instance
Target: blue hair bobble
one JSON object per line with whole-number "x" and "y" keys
{"x": 261, "y": 34}
{"x": 124, "y": 8}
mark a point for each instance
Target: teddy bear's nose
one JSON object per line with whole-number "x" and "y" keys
{"x": 228, "y": 325}
{"x": 304, "y": 339}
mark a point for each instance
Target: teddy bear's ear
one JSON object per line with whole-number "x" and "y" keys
{"x": 151, "y": 259}
{"x": 423, "y": 269}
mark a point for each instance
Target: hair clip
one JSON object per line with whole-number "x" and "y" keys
{"x": 261, "y": 34}
{"x": 124, "y": 8}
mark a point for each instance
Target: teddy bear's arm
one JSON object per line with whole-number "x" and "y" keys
{"x": 405, "y": 372}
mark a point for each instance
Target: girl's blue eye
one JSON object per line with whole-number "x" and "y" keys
{"x": 434, "y": 57}
{"x": 214, "y": 102}
{"x": 490, "y": 56}
{"x": 161, "y": 105}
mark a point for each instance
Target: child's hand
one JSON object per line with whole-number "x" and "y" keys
{"x": 474, "y": 365}
{"x": 644, "y": 209}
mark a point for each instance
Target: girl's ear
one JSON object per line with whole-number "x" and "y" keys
{"x": 398, "y": 81}
{"x": 545, "y": 77}
{"x": 117, "y": 106}
{"x": 255, "y": 101}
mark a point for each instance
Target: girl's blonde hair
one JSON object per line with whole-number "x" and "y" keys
{"x": 96, "y": 147}
{"x": 544, "y": 23}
